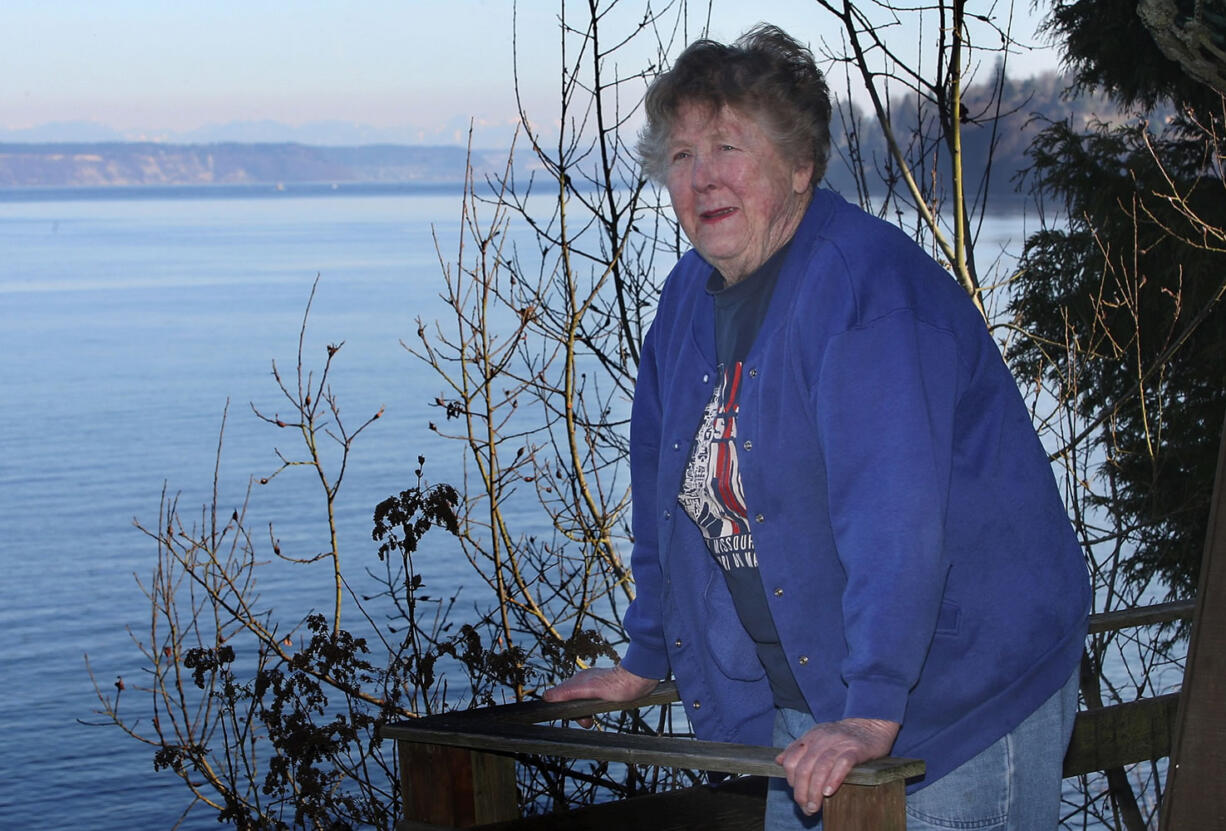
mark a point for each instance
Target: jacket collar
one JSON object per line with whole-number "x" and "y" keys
{"x": 809, "y": 234}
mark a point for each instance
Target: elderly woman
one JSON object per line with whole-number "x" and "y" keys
{"x": 848, "y": 539}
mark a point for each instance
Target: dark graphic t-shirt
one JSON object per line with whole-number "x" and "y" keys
{"x": 711, "y": 492}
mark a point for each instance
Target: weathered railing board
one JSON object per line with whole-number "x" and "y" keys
{"x": 1122, "y": 734}
{"x": 631, "y": 748}
{"x": 535, "y": 712}
{"x": 1141, "y": 616}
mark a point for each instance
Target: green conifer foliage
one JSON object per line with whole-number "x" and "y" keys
{"x": 1124, "y": 301}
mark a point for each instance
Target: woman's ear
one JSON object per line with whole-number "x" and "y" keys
{"x": 802, "y": 177}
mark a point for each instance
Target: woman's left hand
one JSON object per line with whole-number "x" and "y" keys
{"x": 819, "y": 761}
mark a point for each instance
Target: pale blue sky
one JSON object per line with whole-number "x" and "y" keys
{"x": 154, "y": 65}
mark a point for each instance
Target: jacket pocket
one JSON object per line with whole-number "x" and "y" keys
{"x": 728, "y": 644}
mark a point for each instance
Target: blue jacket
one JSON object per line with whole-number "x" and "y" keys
{"x": 912, "y": 542}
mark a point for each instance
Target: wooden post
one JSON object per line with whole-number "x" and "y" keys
{"x": 1194, "y": 796}
{"x": 455, "y": 787}
{"x": 867, "y": 808}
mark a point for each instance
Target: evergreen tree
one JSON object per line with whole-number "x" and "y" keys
{"x": 1123, "y": 301}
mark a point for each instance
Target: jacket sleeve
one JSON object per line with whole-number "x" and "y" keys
{"x": 646, "y": 655}
{"x": 884, "y": 406}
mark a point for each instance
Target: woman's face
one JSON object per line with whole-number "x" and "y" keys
{"x": 736, "y": 197}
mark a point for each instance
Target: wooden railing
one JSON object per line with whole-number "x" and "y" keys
{"x": 458, "y": 768}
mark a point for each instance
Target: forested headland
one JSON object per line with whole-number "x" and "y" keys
{"x": 1002, "y": 117}
{"x": 151, "y": 163}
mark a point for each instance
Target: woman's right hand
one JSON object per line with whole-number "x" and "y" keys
{"x": 604, "y": 683}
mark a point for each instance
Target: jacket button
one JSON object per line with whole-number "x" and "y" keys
{"x": 748, "y": 445}
{"x": 804, "y": 659}
{"x": 778, "y": 591}
{"x": 706, "y": 378}
{"x": 677, "y": 643}
{"x": 676, "y": 445}
{"x": 753, "y": 373}
{"x": 697, "y": 705}
{"x": 759, "y": 518}
{"x": 668, "y": 515}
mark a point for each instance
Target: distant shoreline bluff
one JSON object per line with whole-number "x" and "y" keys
{"x": 149, "y": 164}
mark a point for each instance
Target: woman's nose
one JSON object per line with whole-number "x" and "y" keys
{"x": 702, "y": 175}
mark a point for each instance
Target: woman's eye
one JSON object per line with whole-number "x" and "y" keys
{"x": 681, "y": 155}
{"x": 726, "y": 147}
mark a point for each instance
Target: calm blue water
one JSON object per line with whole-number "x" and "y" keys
{"x": 125, "y": 325}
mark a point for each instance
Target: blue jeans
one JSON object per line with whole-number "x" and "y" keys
{"x": 1014, "y": 785}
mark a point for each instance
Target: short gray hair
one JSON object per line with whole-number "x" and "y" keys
{"x": 765, "y": 74}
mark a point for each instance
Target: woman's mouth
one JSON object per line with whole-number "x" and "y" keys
{"x": 716, "y": 214}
